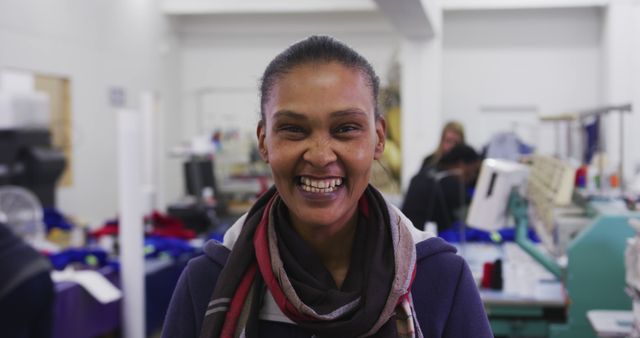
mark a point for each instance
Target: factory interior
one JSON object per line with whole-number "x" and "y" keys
{"x": 128, "y": 144}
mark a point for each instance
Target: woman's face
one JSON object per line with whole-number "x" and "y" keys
{"x": 449, "y": 140}
{"x": 320, "y": 138}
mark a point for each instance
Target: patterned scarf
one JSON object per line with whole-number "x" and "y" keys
{"x": 269, "y": 254}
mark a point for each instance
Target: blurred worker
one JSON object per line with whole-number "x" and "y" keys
{"x": 440, "y": 193}
{"x": 462, "y": 163}
{"x": 26, "y": 289}
{"x": 452, "y": 134}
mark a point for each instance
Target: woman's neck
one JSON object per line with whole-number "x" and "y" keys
{"x": 332, "y": 243}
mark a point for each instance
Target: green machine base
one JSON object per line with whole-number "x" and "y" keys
{"x": 594, "y": 277}
{"x": 595, "y": 274}
{"x": 518, "y": 321}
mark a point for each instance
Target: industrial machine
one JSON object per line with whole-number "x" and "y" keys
{"x": 583, "y": 241}
{"x": 27, "y": 159}
{"x": 199, "y": 210}
{"x": 632, "y": 264}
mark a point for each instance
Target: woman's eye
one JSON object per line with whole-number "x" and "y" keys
{"x": 346, "y": 128}
{"x": 288, "y": 128}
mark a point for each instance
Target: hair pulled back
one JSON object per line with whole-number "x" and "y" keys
{"x": 316, "y": 49}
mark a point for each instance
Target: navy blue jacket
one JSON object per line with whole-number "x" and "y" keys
{"x": 445, "y": 296}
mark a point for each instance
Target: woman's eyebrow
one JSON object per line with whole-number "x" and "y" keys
{"x": 351, "y": 112}
{"x": 289, "y": 114}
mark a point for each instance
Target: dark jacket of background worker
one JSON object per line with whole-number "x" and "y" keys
{"x": 439, "y": 193}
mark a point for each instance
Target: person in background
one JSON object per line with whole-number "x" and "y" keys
{"x": 452, "y": 134}
{"x": 26, "y": 289}
{"x": 440, "y": 193}
{"x": 457, "y": 173}
{"x": 322, "y": 253}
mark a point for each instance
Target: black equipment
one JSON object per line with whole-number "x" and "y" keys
{"x": 27, "y": 159}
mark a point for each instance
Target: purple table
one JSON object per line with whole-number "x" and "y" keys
{"x": 78, "y": 315}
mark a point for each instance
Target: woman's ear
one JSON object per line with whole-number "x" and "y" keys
{"x": 262, "y": 148}
{"x": 381, "y": 137}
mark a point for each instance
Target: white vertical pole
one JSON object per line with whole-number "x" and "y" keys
{"x": 421, "y": 95}
{"x": 131, "y": 223}
{"x": 148, "y": 106}
{"x": 160, "y": 141}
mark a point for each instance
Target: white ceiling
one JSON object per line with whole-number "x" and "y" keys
{"x": 182, "y": 7}
{"x": 410, "y": 18}
{"x": 185, "y": 7}
{"x": 449, "y": 5}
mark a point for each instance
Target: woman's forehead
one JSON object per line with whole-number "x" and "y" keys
{"x": 321, "y": 69}
{"x": 330, "y": 85}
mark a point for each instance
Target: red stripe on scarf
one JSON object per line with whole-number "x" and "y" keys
{"x": 235, "y": 308}
{"x": 363, "y": 205}
{"x": 406, "y": 295}
{"x": 261, "y": 244}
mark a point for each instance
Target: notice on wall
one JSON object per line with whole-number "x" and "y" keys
{"x": 117, "y": 97}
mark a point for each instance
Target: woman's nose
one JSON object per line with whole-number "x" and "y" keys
{"x": 320, "y": 153}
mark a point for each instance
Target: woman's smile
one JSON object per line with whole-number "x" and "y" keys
{"x": 320, "y": 186}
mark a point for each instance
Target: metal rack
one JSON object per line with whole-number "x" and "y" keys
{"x": 581, "y": 116}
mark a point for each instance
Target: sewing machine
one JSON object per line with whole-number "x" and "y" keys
{"x": 582, "y": 248}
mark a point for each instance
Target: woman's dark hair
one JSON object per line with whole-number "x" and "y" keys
{"x": 460, "y": 153}
{"x": 323, "y": 49}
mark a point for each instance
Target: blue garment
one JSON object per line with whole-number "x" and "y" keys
{"x": 174, "y": 247}
{"x": 95, "y": 257}
{"x": 52, "y": 218}
{"x": 472, "y": 234}
{"x": 592, "y": 133}
{"x": 446, "y": 299}
{"x": 508, "y": 146}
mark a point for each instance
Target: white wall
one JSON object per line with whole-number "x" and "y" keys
{"x": 547, "y": 59}
{"x": 97, "y": 45}
{"x": 226, "y": 55}
{"x": 542, "y": 61}
{"x": 421, "y": 95}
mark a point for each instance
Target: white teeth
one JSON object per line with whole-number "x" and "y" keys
{"x": 319, "y": 186}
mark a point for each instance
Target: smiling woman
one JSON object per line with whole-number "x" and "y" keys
{"x": 322, "y": 253}
{"x": 319, "y": 127}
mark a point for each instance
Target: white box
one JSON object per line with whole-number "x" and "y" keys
{"x": 24, "y": 110}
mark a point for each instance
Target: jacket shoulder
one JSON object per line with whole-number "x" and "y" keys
{"x": 445, "y": 295}
{"x": 214, "y": 253}
{"x": 203, "y": 271}
{"x": 193, "y": 292}
{"x": 434, "y": 246}
{"x": 438, "y": 266}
